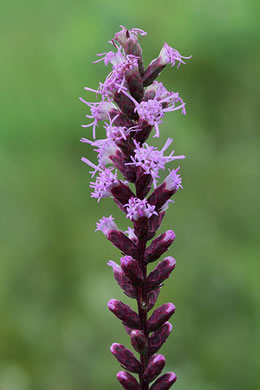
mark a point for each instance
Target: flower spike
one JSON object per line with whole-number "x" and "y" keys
{"x": 133, "y": 104}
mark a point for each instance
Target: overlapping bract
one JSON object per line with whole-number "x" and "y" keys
{"x": 133, "y": 104}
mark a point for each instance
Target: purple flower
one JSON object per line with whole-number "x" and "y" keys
{"x": 137, "y": 208}
{"x": 170, "y": 55}
{"x": 125, "y": 34}
{"x": 105, "y": 148}
{"x": 99, "y": 112}
{"x": 173, "y": 180}
{"x": 132, "y": 104}
{"x": 152, "y": 160}
{"x": 104, "y": 183}
{"x": 106, "y": 225}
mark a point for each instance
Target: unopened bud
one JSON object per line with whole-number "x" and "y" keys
{"x": 126, "y": 105}
{"x": 125, "y": 357}
{"x": 132, "y": 269}
{"x": 124, "y": 312}
{"x": 160, "y": 316}
{"x": 151, "y": 299}
{"x": 135, "y": 84}
{"x": 122, "y": 280}
{"x": 139, "y": 341}
{"x": 159, "y": 245}
{"x": 122, "y": 242}
{"x": 164, "y": 382}
{"x": 121, "y": 192}
{"x": 159, "y": 337}
{"x": 154, "y": 368}
{"x": 161, "y": 272}
{"x": 128, "y": 381}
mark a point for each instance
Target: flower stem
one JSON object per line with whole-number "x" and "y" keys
{"x": 141, "y": 300}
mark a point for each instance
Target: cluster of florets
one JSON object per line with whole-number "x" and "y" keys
{"x": 132, "y": 104}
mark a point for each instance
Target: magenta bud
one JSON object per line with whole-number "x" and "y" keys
{"x": 160, "y": 316}
{"x": 124, "y": 312}
{"x": 154, "y": 368}
{"x": 125, "y": 284}
{"x": 122, "y": 193}
{"x": 154, "y": 224}
{"x": 159, "y": 245}
{"x": 164, "y": 382}
{"x": 128, "y": 381}
{"x": 120, "y": 119}
{"x": 139, "y": 341}
{"x": 161, "y": 272}
{"x": 132, "y": 269}
{"x": 152, "y": 72}
{"x": 135, "y": 84}
{"x": 159, "y": 337}
{"x": 122, "y": 242}
{"x": 151, "y": 299}
{"x": 126, "y": 358}
{"x": 160, "y": 196}
{"x": 126, "y": 105}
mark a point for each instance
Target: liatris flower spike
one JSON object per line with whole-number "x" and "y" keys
{"x": 132, "y": 104}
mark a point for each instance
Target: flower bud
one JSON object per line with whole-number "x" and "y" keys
{"x": 151, "y": 299}
{"x": 161, "y": 272}
{"x": 132, "y": 269}
{"x": 160, "y": 316}
{"x": 154, "y": 224}
{"x": 168, "y": 188}
{"x": 128, "y": 381}
{"x": 126, "y": 358}
{"x": 164, "y": 382}
{"x": 122, "y": 242}
{"x": 154, "y": 368}
{"x": 122, "y": 192}
{"x": 122, "y": 280}
{"x": 159, "y": 337}
{"x": 126, "y": 105}
{"x": 139, "y": 341}
{"x": 159, "y": 245}
{"x": 135, "y": 84}
{"x": 124, "y": 312}
{"x": 152, "y": 72}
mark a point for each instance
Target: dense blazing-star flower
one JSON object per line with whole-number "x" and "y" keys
{"x": 132, "y": 103}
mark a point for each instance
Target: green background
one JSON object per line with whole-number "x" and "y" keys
{"x": 55, "y": 329}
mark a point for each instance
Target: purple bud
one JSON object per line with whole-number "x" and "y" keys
{"x": 124, "y": 312}
{"x": 161, "y": 272}
{"x": 139, "y": 341}
{"x": 164, "y": 382}
{"x": 143, "y": 184}
{"x": 135, "y": 84}
{"x": 154, "y": 368}
{"x": 125, "y": 357}
{"x": 160, "y": 316}
{"x": 126, "y": 105}
{"x": 159, "y": 337}
{"x": 168, "y": 188}
{"x": 128, "y": 381}
{"x": 151, "y": 299}
{"x": 122, "y": 280}
{"x": 132, "y": 269}
{"x": 154, "y": 224}
{"x": 152, "y": 72}
{"x": 107, "y": 225}
{"x": 159, "y": 245}
{"x": 122, "y": 193}
{"x": 121, "y": 119}
{"x": 122, "y": 242}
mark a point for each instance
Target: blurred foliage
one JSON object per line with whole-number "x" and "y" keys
{"x": 55, "y": 329}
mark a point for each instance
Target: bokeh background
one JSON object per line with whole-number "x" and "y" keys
{"x": 55, "y": 329}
